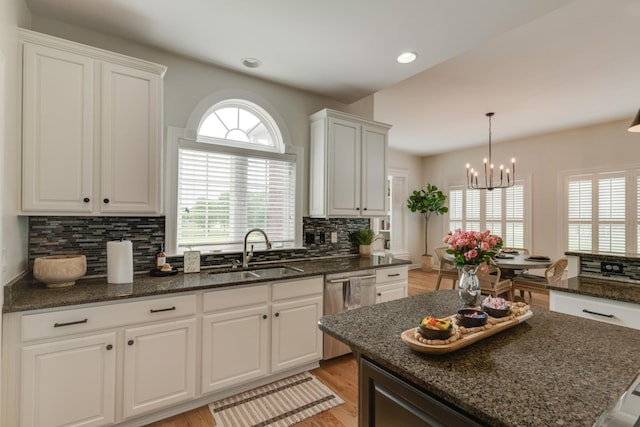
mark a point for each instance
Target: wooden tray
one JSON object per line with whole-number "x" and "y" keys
{"x": 464, "y": 340}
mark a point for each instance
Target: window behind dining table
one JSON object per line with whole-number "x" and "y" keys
{"x": 502, "y": 211}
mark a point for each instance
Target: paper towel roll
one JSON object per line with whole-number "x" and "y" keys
{"x": 120, "y": 262}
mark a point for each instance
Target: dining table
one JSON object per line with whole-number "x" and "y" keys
{"x": 511, "y": 263}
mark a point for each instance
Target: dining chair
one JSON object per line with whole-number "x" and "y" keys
{"x": 491, "y": 283}
{"x": 534, "y": 283}
{"x": 447, "y": 269}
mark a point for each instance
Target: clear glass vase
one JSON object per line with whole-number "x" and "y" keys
{"x": 469, "y": 286}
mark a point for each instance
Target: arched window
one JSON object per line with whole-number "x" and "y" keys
{"x": 237, "y": 122}
{"x": 234, "y": 177}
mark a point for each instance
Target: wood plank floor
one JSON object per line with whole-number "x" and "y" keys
{"x": 340, "y": 374}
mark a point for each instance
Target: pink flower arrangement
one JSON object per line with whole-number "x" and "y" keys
{"x": 472, "y": 247}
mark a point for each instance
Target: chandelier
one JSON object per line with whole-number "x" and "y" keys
{"x": 490, "y": 181}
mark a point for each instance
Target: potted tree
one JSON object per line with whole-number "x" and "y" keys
{"x": 427, "y": 202}
{"x": 363, "y": 238}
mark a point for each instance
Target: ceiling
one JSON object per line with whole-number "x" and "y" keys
{"x": 541, "y": 65}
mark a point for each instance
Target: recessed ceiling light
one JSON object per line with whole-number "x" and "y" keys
{"x": 407, "y": 57}
{"x": 251, "y": 62}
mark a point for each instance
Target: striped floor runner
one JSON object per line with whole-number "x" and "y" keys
{"x": 279, "y": 404}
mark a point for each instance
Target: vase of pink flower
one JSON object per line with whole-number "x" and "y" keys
{"x": 470, "y": 249}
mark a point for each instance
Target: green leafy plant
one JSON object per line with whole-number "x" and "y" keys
{"x": 428, "y": 202}
{"x": 363, "y": 236}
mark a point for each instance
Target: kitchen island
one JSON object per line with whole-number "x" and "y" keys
{"x": 553, "y": 369}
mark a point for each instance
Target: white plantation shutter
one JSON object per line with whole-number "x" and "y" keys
{"x": 579, "y": 197}
{"x": 611, "y": 214}
{"x": 221, "y": 195}
{"x": 456, "y": 209}
{"x": 472, "y": 211}
{"x": 514, "y": 217}
{"x": 493, "y": 211}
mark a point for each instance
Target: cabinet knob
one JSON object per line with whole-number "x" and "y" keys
{"x": 109, "y": 346}
{"x": 130, "y": 342}
{"x": 106, "y": 200}
{"x": 365, "y": 209}
{"x": 379, "y": 294}
{"x": 277, "y": 314}
{"x": 264, "y": 316}
{"x": 86, "y": 200}
{"x": 357, "y": 209}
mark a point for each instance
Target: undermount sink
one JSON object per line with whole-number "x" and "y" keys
{"x": 257, "y": 273}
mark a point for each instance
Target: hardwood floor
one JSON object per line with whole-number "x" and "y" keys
{"x": 340, "y": 374}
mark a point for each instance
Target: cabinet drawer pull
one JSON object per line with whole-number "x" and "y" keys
{"x": 277, "y": 314}
{"x": 130, "y": 342}
{"x": 162, "y": 309}
{"x": 109, "y": 347}
{"x": 264, "y": 316}
{"x": 379, "y": 294}
{"x": 106, "y": 200}
{"x": 610, "y": 316}
{"x": 77, "y": 322}
{"x": 86, "y": 200}
{"x": 393, "y": 275}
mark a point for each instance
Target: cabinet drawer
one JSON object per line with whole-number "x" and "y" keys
{"x": 394, "y": 274}
{"x": 235, "y": 297}
{"x": 297, "y": 288}
{"x": 588, "y": 307}
{"x": 66, "y": 322}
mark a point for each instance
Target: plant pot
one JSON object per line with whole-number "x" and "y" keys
{"x": 427, "y": 263}
{"x": 365, "y": 250}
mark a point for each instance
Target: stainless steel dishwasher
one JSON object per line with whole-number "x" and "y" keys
{"x": 339, "y": 290}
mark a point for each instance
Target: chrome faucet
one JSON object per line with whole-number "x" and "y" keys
{"x": 377, "y": 237}
{"x": 246, "y": 256}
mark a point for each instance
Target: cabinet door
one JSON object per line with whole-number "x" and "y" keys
{"x": 344, "y": 168}
{"x": 57, "y": 130}
{"x": 390, "y": 292}
{"x": 69, "y": 382}
{"x": 374, "y": 171}
{"x": 131, "y": 140}
{"x": 159, "y": 366}
{"x": 234, "y": 347}
{"x": 295, "y": 337}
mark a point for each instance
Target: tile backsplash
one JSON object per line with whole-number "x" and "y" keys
{"x": 65, "y": 235}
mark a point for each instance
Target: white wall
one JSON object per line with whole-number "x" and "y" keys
{"x": 542, "y": 157}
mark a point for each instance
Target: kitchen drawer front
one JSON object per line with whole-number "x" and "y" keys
{"x": 235, "y": 297}
{"x": 395, "y": 274}
{"x": 297, "y": 288}
{"x": 67, "y": 322}
{"x": 609, "y": 311}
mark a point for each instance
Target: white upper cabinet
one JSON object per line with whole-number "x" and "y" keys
{"x": 348, "y": 173}
{"x": 92, "y": 130}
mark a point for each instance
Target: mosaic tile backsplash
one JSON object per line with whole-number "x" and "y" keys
{"x": 610, "y": 267}
{"x": 63, "y": 235}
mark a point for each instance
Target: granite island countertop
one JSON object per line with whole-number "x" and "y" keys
{"x": 28, "y": 294}
{"x": 553, "y": 369}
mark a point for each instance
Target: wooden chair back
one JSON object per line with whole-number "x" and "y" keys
{"x": 554, "y": 272}
{"x": 445, "y": 264}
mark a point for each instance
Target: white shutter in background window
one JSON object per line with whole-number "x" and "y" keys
{"x": 222, "y": 195}
{"x": 455, "y": 209}
{"x": 611, "y": 214}
{"x": 493, "y": 205}
{"x": 579, "y": 213}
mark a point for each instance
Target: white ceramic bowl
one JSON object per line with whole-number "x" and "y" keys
{"x": 57, "y": 271}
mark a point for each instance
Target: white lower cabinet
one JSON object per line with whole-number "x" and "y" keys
{"x": 601, "y": 309}
{"x": 244, "y": 328}
{"x": 159, "y": 366}
{"x": 69, "y": 382}
{"x": 391, "y": 283}
{"x": 234, "y": 347}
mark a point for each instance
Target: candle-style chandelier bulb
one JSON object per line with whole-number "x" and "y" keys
{"x": 491, "y": 181}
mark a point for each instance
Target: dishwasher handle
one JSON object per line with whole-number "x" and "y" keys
{"x": 346, "y": 279}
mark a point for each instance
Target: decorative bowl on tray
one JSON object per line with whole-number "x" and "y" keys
{"x": 432, "y": 328}
{"x": 470, "y": 318}
{"x": 496, "y": 312}
{"x": 496, "y": 307}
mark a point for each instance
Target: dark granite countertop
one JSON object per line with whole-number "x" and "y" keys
{"x": 552, "y": 370}
{"x": 601, "y": 288}
{"x": 605, "y": 255}
{"x": 28, "y": 294}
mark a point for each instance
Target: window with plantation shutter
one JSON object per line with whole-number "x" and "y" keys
{"x": 602, "y": 212}
{"x": 233, "y": 179}
{"x": 502, "y": 211}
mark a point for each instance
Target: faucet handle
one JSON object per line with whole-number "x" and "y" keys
{"x": 235, "y": 263}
